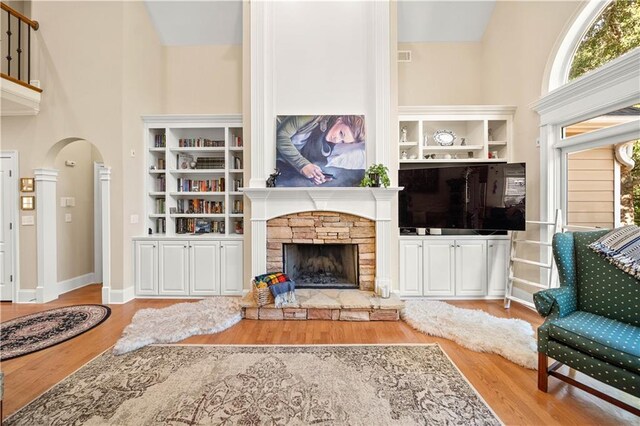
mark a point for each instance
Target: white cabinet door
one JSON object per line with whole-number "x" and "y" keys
{"x": 439, "y": 268}
{"x": 411, "y": 268}
{"x": 471, "y": 268}
{"x": 497, "y": 264}
{"x": 231, "y": 258}
{"x": 146, "y": 267}
{"x": 174, "y": 268}
{"x": 204, "y": 260}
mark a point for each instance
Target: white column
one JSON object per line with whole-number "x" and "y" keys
{"x": 46, "y": 240}
{"x": 382, "y": 81}
{"x": 258, "y": 247}
{"x": 105, "y": 188}
{"x": 262, "y": 90}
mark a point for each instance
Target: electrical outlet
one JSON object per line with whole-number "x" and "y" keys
{"x": 67, "y": 217}
{"x": 133, "y": 152}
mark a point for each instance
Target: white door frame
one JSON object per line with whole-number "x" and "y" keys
{"x": 13, "y": 195}
{"x": 97, "y": 222}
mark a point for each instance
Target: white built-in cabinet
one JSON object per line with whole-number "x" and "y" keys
{"x": 464, "y": 267}
{"x": 183, "y": 267}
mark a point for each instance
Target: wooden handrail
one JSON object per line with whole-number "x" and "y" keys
{"x": 33, "y": 24}
{"x": 20, "y": 82}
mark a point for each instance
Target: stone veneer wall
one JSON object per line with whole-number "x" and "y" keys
{"x": 324, "y": 228}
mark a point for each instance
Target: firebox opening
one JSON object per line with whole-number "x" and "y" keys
{"x": 322, "y": 265}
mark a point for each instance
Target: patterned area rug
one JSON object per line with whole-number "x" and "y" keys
{"x": 31, "y": 333}
{"x": 251, "y": 385}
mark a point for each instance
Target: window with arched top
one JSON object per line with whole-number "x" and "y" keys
{"x": 590, "y": 119}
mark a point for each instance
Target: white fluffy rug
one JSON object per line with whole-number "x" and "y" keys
{"x": 177, "y": 322}
{"x": 474, "y": 329}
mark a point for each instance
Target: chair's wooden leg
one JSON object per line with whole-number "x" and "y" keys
{"x": 543, "y": 376}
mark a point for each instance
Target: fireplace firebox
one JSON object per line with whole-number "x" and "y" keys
{"x": 322, "y": 265}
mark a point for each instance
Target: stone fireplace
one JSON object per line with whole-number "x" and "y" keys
{"x": 321, "y": 249}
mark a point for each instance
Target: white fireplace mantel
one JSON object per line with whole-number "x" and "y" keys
{"x": 371, "y": 203}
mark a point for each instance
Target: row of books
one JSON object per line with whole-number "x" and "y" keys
{"x": 160, "y": 205}
{"x": 200, "y": 143}
{"x": 161, "y": 225}
{"x": 160, "y": 140}
{"x": 198, "y": 226}
{"x": 200, "y": 206}
{"x": 161, "y": 183}
{"x": 237, "y": 184}
{"x": 199, "y": 185}
{"x": 162, "y": 164}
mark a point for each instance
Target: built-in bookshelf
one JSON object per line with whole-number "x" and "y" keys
{"x": 195, "y": 175}
{"x": 455, "y": 134}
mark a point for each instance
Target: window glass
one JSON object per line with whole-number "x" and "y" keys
{"x": 611, "y": 119}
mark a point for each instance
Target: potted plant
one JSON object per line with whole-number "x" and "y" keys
{"x": 375, "y": 176}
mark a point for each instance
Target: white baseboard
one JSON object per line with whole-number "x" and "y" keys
{"x": 27, "y": 296}
{"x": 122, "y": 296}
{"x": 76, "y": 282}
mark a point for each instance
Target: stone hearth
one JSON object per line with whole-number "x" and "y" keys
{"x": 336, "y": 305}
{"x": 322, "y": 227}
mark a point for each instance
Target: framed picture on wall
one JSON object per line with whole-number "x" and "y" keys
{"x": 27, "y": 185}
{"x": 320, "y": 150}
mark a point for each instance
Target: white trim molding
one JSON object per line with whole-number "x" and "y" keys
{"x": 105, "y": 192}
{"x": 27, "y": 296}
{"x": 76, "y": 282}
{"x": 117, "y": 297}
{"x": 13, "y": 195}
{"x": 47, "y": 247}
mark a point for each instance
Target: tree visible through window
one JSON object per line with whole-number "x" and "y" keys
{"x": 615, "y": 32}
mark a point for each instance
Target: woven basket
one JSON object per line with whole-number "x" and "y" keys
{"x": 262, "y": 296}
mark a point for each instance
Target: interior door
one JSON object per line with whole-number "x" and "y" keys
{"x": 7, "y": 178}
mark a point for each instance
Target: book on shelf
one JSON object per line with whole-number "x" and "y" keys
{"x": 237, "y": 141}
{"x": 161, "y": 225}
{"x": 237, "y": 207}
{"x": 198, "y": 226}
{"x": 210, "y": 163}
{"x": 200, "y": 206}
{"x": 161, "y": 183}
{"x": 237, "y": 184}
{"x": 200, "y": 185}
{"x": 160, "y": 140}
{"x": 160, "y": 206}
{"x": 161, "y": 163}
{"x": 237, "y": 162}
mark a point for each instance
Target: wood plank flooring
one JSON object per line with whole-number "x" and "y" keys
{"x": 510, "y": 390}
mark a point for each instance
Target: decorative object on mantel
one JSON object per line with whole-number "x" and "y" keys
{"x": 34, "y": 332}
{"x": 210, "y": 384}
{"x": 510, "y": 338}
{"x": 271, "y": 182}
{"x": 177, "y": 322}
{"x": 375, "y": 176}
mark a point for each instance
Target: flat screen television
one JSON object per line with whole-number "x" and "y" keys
{"x": 480, "y": 197}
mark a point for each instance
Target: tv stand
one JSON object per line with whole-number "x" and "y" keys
{"x": 454, "y": 266}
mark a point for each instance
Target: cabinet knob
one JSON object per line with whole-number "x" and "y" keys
{"x": 186, "y": 246}
{"x": 452, "y": 246}
{"x": 458, "y": 245}
{"x": 490, "y": 245}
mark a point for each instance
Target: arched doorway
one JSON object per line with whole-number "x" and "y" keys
{"x": 73, "y": 221}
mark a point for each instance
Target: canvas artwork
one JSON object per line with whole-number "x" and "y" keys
{"x": 320, "y": 150}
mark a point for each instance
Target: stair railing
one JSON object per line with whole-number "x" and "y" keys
{"x": 18, "y": 23}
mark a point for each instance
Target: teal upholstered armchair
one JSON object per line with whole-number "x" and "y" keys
{"x": 592, "y": 320}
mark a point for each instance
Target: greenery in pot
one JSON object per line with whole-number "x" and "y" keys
{"x": 376, "y": 175}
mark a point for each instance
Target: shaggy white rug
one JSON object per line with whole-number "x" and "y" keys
{"x": 177, "y": 322}
{"x": 474, "y": 329}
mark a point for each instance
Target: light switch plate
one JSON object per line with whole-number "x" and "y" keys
{"x": 63, "y": 201}
{"x": 28, "y": 220}
{"x": 71, "y": 201}
{"x": 67, "y": 217}
{"x": 134, "y": 218}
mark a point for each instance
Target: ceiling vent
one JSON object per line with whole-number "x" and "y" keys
{"x": 404, "y": 56}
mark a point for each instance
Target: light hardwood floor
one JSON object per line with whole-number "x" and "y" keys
{"x": 510, "y": 390}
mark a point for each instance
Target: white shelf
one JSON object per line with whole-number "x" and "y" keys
{"x": 157, "y": 193}
{"x": 157, "y": 149}
{"x": 205, "y": 215}
{"x": 497, "y": 143}
{"x": 157, "y": 172}
{"x": 192, "y": 193}
{"x": 236, "y": 148}
{"x": 197, "y": 171}
{"x": 236, "y": 215}
{"x": 236, "y": 170}
{"x": 434, "y": 148}
{"x": 408, "y": 144}
{"x": 202, "y": 149}
{"x": 156, "y": 215}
